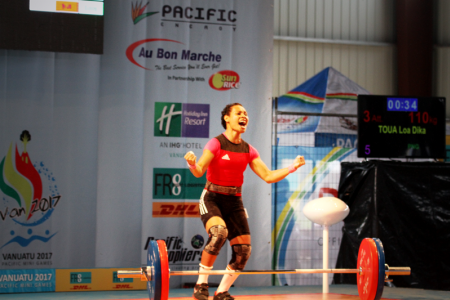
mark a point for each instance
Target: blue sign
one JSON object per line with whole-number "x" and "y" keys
{"x": 27, "y": 281}
{"x": 335, "y": 140}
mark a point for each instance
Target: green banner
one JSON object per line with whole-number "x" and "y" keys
{"x": 174, "y": 183}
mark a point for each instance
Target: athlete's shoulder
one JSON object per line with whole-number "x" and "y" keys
{"x": 213, "y": 145}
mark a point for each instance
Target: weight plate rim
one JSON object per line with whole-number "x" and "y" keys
{"x": 164, "y": 270}
{"x": 381, "y": 268}
{"x": 153, "y": 261}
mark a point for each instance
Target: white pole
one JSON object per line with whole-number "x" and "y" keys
{"x": 325, "y": 287}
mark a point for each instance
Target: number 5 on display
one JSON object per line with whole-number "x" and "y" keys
{"x": 367, "y": 150}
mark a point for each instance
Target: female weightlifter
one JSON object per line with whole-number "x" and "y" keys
{"x": 225, "y": 159}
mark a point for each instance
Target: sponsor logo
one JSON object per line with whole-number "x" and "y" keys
{"x": 116, "y": 279}
{"x": 179, "y": 256}
{"x": 22, "y": 186}
{"x": 80, "y": 277}
{"x": 174, "y": 183}
{"x": 137, "y": 12}
{"x": 66, "y": 6}
{"x": 199, "y": 15}
{"x": 224, "y": 80}
{"x": 181, "y": 120}
{"x": 226, "y": 157}
{"x": 197, "y": 241}
{"x": 175, "y": 210}
{"x": 80, "y": 287}
{"x": 158, "y": 52}
{"x": 180, "y": 145}
{"x": 122, "y": 287}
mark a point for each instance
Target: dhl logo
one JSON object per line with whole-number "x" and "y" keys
{"x": 80, "y": 287}
{"x": 175, "y": 210}
{"x": 123, "y": 286}
{"x": 66, "y": 6}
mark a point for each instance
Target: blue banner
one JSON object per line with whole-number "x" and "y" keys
{"x": 27, "y": 281}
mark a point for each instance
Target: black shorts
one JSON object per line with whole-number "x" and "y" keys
{"x": 229, "y": 208}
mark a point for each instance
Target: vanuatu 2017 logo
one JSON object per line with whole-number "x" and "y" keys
{"x": 181, "y": 119}
{"x": 138, "y": 12}
{"x": 24, "y": 198}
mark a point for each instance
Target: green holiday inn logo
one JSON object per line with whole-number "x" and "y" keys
{"x": 174, "y": 119}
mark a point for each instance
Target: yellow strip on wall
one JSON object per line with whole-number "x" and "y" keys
{"x": 76, "y": 280}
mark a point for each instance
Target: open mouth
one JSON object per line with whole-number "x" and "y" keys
{"x": 243, "y": 123}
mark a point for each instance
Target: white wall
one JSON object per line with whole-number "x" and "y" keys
{"x": 356, "y": 20}
{"x": 354, "y": 36}
{"x": 372, "y": 67}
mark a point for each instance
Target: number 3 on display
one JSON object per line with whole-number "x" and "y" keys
{"x": 367, "y": 150}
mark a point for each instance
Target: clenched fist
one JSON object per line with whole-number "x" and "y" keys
{"x": 190, "y": 158}
{"x": 299, "y": 161}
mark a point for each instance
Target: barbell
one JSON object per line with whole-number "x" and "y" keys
{"x": 371, "y": 271}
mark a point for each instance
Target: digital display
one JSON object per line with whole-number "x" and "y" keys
{"x": 402, "y": 104}
{"x": 74, "y": 26}
{"x": 85, "y": 7}
{"x": 401, "y": 127}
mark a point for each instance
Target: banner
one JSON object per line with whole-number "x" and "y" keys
{"x": 27, "y": 281}
{"x": 92, "y": 146}
{"x": 79, "y": 280}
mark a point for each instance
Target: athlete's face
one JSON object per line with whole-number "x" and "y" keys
{"x": 238, "y": 118}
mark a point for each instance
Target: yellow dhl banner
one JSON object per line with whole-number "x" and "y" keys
{"x": 75, "y": 280}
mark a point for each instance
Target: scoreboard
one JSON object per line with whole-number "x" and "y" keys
{"x": 74, "y": 26}
{"x": 401, "y": 127}
{"x": 86, "y": 7}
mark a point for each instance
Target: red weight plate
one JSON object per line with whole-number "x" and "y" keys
{"x": 367, "y": 277}
{"x": 164, "y": 269}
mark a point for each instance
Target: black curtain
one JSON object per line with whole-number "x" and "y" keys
{"x": 406, "y": 206}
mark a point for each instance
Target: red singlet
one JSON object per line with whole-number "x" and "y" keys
{"x": 229, "y": 162}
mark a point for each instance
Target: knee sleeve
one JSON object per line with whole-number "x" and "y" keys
{"x": 241, "y": 253}
{"x": 217, "y": 236}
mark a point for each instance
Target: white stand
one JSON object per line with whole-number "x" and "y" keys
{"x": 326, "y": 211}
{"x": 325, "y": 286}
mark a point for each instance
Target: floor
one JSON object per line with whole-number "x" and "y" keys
{"x": 337, "y": 292}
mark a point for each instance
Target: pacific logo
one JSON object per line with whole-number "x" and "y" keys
{"x": 224, "y": 80}
{"x": 20, "y": 181}
{"x": 137, "y": 12}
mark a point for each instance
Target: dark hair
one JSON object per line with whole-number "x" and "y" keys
{"x": 226, "y": 112}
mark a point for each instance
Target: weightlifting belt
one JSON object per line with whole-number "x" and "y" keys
{"x": 230, "y": 190}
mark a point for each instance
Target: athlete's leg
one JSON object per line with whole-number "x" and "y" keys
{"x": 217, "y": 235}
{"x": 241, "y": 247}
{"x": 217, "y": 232}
